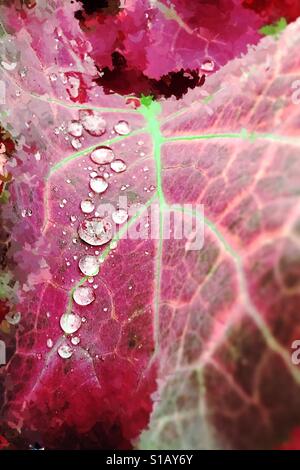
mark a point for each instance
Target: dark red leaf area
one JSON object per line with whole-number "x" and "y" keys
{"x": 274, "y": 9}
{"x": 160, "y": 48}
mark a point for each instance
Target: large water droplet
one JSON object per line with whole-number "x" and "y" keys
{"x": 65, "y": 351}
{"x": 120, "y": 216}
{"x": 208, "y": 65}
{"x": 75, "y": 128}
{"x": 118, "y": 166}
{"x": 83, "y": 295}
{"x": 122, "y": 128}
{"x": 87, "y": 206}
{"x": 92, "y": 122}
{"x": 70, "y": 322}
{"x": 98, "y": 184}
{"x": 102, "y": 155}
{"x": 89, "y": 265}
{"x": 95, "y": 231}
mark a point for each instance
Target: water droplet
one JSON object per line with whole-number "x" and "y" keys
{"x": 73, "y": 218}
{"x": 118, "y": 166}
{"x": 98, "y": 184}
{"x": 92, "y": 122}
{"x": 53, "y": 77}
{"x": 75, "y": 340}
{"x": 89, "y": 265}
{"x": 102, "y": 155}
{"x": 208, "y": 65}
{"x": 75, "y": 128}
{"x": 49, "y": 343}
{"x": 65, "y": 351}
{"x": 87, "y": 206}
{"x": 122, "y": 128}
{"x": 70, "y": 322}
{"x": 95, "y": 231}
{"x": 83, "y": 295}
{"x": 13, "y": 318}
{"x": 93, "y": 174}
{"x": 120, "y": 216}
{"x": 26, "y": 213}
{"x": 76, "y": 144}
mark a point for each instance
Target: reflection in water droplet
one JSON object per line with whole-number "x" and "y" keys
{"x": 98, "y": 184}
{"x": 118, "y": 166}
{"x": 102, "y": 155}
{"x": 120, "y": 216}
{"x": 87, "y": 206}
{"x": 95, "y": 231}
{"x": 208, "y": 65}
{"x": 75, "y": 128}
{"x": 92, "y": 122}
{"x": 83, "y": 295}
{"x": 70, "y": 322}
{"x": 65, "y": 351}
{"x": 89, "y": 265}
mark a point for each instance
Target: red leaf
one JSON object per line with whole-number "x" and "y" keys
{"x": 210, "y": 330}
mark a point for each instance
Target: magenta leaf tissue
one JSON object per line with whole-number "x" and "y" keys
{"x": 150, "y": 224}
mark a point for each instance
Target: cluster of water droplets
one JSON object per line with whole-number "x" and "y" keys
{"x": 93, "y": 230}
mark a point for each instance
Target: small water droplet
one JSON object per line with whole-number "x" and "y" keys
{"x": 93, "y": 174}
{"x": 98, "y": 184}
{"x": 70, "y": 322}
{"x": 75, "y": 340}
{"x": 118, "y": 166}
{"x": 13, "y": 318}
{"x": 65, "y": 351}
{"x": 208, "y": 65}
{"x": 76, "y": 144}
{"x": 53, "y": 77}
{"x": 83, "y": 295}
{"x": 89, "y": 265}
{"x": 49, "y": 343}
{"x": 87, "y": 206}
{"x": 92, "y": 122}
{"x": 120, "y": 216}
{"x": 102, "y": 155}
{"x": 26, "y": 213}
{"x": 73, "y": 218}
{"x": 75, "y": 128}
{"x": 122, "y": 128}
{"x": 95, "y": 231}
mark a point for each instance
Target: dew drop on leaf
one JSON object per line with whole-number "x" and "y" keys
{"x": 13, "y": 318}
{"x": 122, "y": 128}
{"x": 102, "y": 155}
{"x": 75, "y": 128}
{"x": 95, "y": 231}
{"x": 118, "y": 166}
{"x": 83, "y": 295}
{"x": 70, "y": 322}
{"x": 208, "y": 65}
{"x": 89, "y": 265}
{"x": 65, "y": 351}
{"x": 120, "y": 216}
{"x": 87, "y": 206}
{"x": 75, "y": 340}
{"x": 98, "y": 184}
{"x": 76, "y": 144}
{"x": 92, "y": 122}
